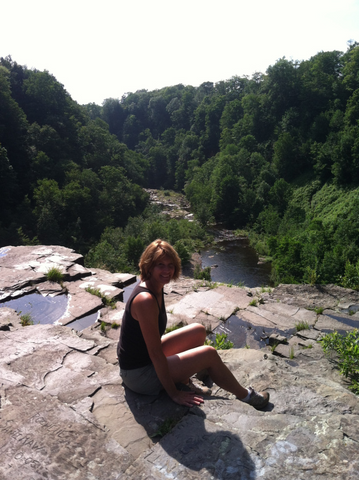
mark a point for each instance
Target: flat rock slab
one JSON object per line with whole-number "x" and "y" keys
{"x": 333, "y": 320}
{"x": 125, "y": 279}
{"x": 314, "y": 296}
{"x": 39, "y": 258}
{"x": 239, "y": 296}
{"x": 113, "y": 315}
{"x": 219, "y": 303}
{"x": 80, "y": 303}
{"x": 41, "y": 435}
{"x": 177, "y": 290}
{"x": 79, "y": 377}
{"x": 76, "y": 271}
{"x": 27, "y": 339}
{"x": 17, "y": 282}
{"x": 310, "y": 334}
{"x": 97, "y": 282}
{"x": 115, "y": 279}
{"x": 297, "y": 313}
{"x": 280, "y": 318}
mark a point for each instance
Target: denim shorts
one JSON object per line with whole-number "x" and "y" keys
{"x": 142, "y": 380}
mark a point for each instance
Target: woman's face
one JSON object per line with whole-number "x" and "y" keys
{"x": 163, "y": 270}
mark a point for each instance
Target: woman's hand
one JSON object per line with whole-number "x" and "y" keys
{"x": 188, "y": 399}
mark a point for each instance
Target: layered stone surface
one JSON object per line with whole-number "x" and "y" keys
{"x": 64, "y": 413}
{"x": 23, "y": 276}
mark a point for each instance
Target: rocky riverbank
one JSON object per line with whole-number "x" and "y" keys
{"x": 64, "y": 413}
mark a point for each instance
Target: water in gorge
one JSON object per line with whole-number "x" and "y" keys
{"x": 234, "y": 261}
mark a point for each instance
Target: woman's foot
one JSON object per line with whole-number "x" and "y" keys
{"x": 258, "y": 400}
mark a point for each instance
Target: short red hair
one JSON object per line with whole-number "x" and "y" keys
{"x": 155, "y": 250}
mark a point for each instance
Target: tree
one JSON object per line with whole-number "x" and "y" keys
{"x": 280, "y": 195}
{"x": 8, "y": 186}
{"x": 120, "y": 198}
{"x": 114, "y": 115}
{"x": 285, "y": 159}
{"x": 13, "y": 130}
{"x": 281, "y": 84}
{"x": 45, "y": 100}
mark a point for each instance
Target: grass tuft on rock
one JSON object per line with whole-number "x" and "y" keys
{"x": 109, "y": 302}
{"x": 54, "y": 275}
{"x": 26, "y": 320}
{"x": 302, "y": 326}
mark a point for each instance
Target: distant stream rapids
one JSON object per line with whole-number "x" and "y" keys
{"x": 236, "y": 261}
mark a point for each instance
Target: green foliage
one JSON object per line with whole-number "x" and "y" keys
{"x": 310, "y": 276}
{"x": 183, "y": 251}
{"x": 350, "y": 279}
{"x": 25, "y": 240}
{"x": 202, "y": 274}
{"x": 347, "y": 349}
{"x": 253, "y": 303}
{"x": 54, "y": 275}
{"x": 220, "y": 342}
{"x": 119, "y": 249}
{"x": 26, "y": 320}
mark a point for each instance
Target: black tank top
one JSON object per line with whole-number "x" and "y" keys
{"x": 132, "y": 350}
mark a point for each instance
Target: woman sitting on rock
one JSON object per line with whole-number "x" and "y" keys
{"x": 151, "y": 361}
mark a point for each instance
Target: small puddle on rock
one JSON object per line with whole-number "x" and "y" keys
{"x": 42, "y": 309}
{"x": 242, "y": 333}
{"x": 48, "y": 310}
{"x": 84, "y": 322}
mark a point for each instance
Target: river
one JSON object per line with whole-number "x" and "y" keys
{"x": 236, "y": 263}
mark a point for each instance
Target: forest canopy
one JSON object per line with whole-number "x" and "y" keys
{"x": 276, "y": 154}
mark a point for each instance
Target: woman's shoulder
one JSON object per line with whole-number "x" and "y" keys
{"x": 143, "y": 295}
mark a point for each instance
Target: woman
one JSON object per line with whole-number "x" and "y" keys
{"x": 151, "y": 361}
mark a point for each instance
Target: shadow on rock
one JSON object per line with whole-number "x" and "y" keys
{"x": 194, "y": 444}
{"x": 152, "y": 411}
{"x": 201, "y": 446}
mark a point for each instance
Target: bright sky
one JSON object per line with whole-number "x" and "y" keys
{"x": 105, "y": 48}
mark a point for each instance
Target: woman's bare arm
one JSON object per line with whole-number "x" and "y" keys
{"x": 144, "y": 309}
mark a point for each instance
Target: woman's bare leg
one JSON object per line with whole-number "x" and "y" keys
{"x": 185, "y": 364}
{"x": 183, "y": 339}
